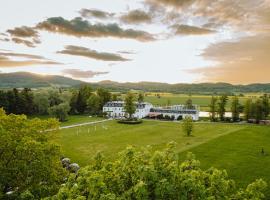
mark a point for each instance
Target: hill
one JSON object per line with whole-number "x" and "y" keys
{"x": 25, "y": 79}
{"x": 30, "y": 80}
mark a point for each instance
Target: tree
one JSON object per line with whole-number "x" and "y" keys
{"x": 213, "y": 109}
{"x": 129, "y": 106}
{"x": 41, "y": 103}
{"x": 265, "y": 106}
{"x": 29, "y": 163}
{"x": 140, "y": 97}
{"x": 27, "y": 99}
{"x": 84, "y": 93}
{"x": 235, "y": 108}
{"x": 189, "y": 104}
{"x": 73, "y": 103}
{"x": 248, "y": 109}
{"x": 93, "y": 104}
{"x": 104, "y": 95}
{"x": 114, "y": 97}
{"x": 222, "y": 106}
{"x": 187, "y": 125}
{"x": 258, "y": 110}
{"x": 60, "y": 111}
{"x": 144, "y": 174}
{"x": 4, "y": 100}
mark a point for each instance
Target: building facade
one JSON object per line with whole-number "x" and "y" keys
{"x": 177, "y": 111}
{"x": 115, "y": 109}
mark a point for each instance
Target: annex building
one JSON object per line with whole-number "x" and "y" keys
{"x": 115, "y": 109}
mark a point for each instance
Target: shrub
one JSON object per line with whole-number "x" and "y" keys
{"x": 130, "y": 121}
{"x": 180, "y": 117}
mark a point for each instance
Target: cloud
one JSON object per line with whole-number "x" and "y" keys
{"x": 127, "y": 52}
{"x": 174, "y": 3}
{"x": 23, "y": 31}
{"x": 136, "y": 17}
{"x": 181, "y": 29}
{"x": 243, "y": 61}
{"x": 88, "y": 13}
{"x": 24, "y": 42}
{"x": 77, "y": 73}
{"x": 85, "y": 52}
{"x": 82, "y": 28}
{"x": 8, "y": 60}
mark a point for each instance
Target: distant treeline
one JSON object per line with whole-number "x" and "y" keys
{"x": 200, "y": 88}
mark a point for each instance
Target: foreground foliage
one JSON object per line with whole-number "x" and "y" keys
{"x": 159, "y": 175}
{"x": 29, "y": 164}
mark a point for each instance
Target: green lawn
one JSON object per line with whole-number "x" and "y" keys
{"x": 82, "y": 143}
{"x": 72, "y": 119}
{"x": 239, "y": 153}
{"x": 233, "y": 147}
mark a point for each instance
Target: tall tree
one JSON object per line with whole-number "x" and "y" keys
{"x": 222, "y": 106}
{"x": 93, "y": 104}
{"x": 104, "y": 95}
{"x": 84, "y": 93}
{"x": 187, "y": 125}
{"x": 265, "y": 106}
{"x": 60, "y": 111}
{"x": 3, "y": 100}
{"x": 213, "y": 109}
{"x": 28, "y": 101}
{"x": 248, "y": 109}
{"x": 73, "y": 103}
{"x": 235, "y": 108}
{"x": 29, "y": 163}
{"x": 189, "y": 104}
{"x": 130, "y": 106}
{"x": 259, "y": 115}
{"x": 140, "y": 97}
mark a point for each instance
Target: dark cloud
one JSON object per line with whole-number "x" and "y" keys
{"x": 127, "y": 52}
{"x": 24, "y": 42}
{"x": 88, "y": 13}
{"x": 181, "y": 29}
{"x": 85, "y": 52}
{"x": 175, "y": 3}
{"x": 77, "y": 73}
{"x": 136, "y": 17}
{"x": 23, "y": 31}
{"x": 82, "y": 28}
{"x": 243, "y": 61}
{"x": 8, "y": 60}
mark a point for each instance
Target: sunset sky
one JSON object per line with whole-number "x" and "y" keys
{"x": 173, "y": 41}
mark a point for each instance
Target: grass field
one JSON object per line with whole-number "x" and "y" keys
{"x": 239, "y": 153}
{"x": 202, "y": 100}
{"x": 233, "y": 147}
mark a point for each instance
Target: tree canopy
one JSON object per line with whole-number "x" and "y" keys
{"x": 144, "y": 174}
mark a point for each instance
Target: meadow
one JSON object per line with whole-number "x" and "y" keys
{"x": 234, "y": 147}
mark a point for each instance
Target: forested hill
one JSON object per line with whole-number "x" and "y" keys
{"x": 199, "y": 88}
{"x": 24, "y": 79}
{"x": 29, "y": 80}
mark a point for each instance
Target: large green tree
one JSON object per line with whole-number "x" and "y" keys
{"x": 248, "y": 109}
{"x": 235, "y": 108}
{"x": 222, "y": 102}
{"x": 213, "y": 109}
{"x": 83, "y": 95}
{"x": 29, "y": 163}
{"x": 144, "y": 174}
{"x": 130, "y": 106}
{"x": 60, "y": 111}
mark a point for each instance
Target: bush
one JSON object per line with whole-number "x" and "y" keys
{"x": 154, "y": 175}
{"x": 180, "y": 117}
{"x": 130, "y": 121}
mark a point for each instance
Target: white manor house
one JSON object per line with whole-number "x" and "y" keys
{"x": 115, "y": 109}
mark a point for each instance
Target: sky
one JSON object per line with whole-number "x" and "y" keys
{"x": 172, "y": 41}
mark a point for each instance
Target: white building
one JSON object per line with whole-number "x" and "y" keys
{"x": 116, "y": 109}
{"x": 177, "y": 111}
